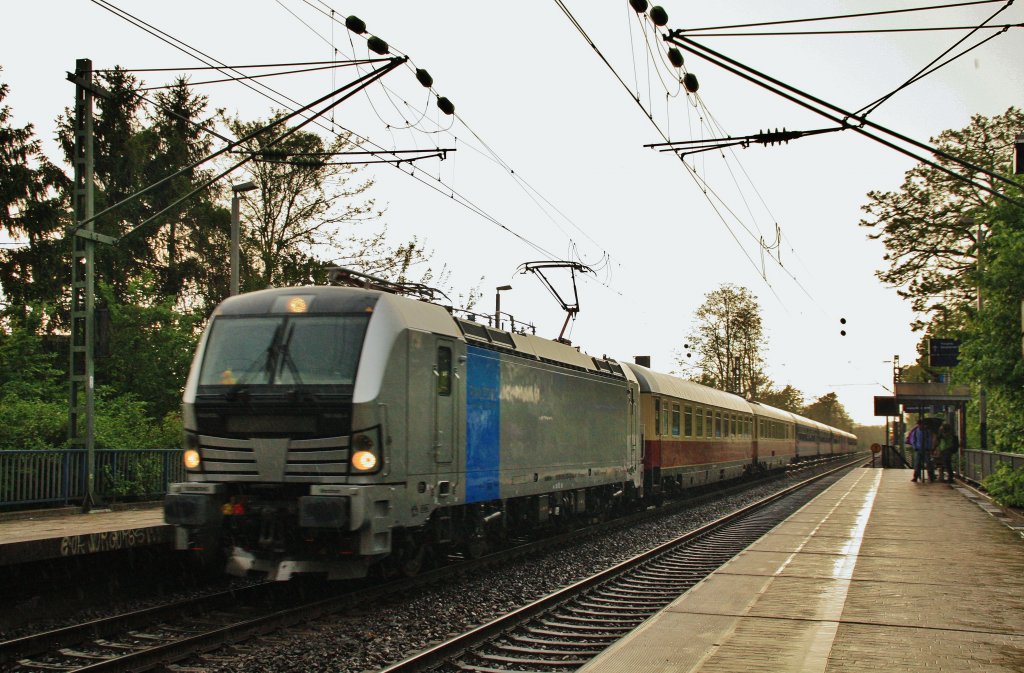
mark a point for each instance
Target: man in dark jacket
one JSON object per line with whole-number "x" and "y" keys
{"x": 947, "y": 444}
{"x": 921, "y": 439}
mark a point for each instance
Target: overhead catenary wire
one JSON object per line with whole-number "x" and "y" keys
{"x": 340, "y": 64}
{"x": 871, "y": 107}
{"x": 836, "y": 17}
{"x": 704, "y": 187}
{"x": 853, "y": 31}
{"x": 839, "y": 115}
{"x": 289, "y": 132}
{"x": 287, "y": 102}
{"x": 488, "y": 151}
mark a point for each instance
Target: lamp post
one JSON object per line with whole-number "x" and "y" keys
{"x": 236, "y": 191}
{"x": 497, "y": 304}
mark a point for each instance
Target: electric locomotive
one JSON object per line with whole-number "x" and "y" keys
{"x": 330, "y": 428}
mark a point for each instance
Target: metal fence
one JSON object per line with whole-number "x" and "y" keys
{"x": 979, "y": 464}
{"x": 975, "y": 464}
{"x": 58, "y": 477}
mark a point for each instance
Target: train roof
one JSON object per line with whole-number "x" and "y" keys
{"x": 772, "y": 412}
{"x": 414, "y": 314}
{"x": 664, "y": 384}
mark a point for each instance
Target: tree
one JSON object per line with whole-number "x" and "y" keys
{"x": 829, "y": 410}
{"x": 197, "y": 230}
{"x": 729, "y": 338}
{"x": 305, "y": 194}
{"x": 135, "y": 147}
{"x": 149, "y": 323}
{"x": 31, "y": 210}
{"x": 990, "y": 350}
{"x": 787, "y": 398}
{"x": 947, "y": 242}
{"x": 932, "y": 226}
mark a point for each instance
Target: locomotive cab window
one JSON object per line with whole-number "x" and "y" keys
{"x": 444, "y": 371}
{"x": 293, "y": 350}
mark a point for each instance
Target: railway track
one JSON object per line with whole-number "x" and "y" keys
{"x": 156, "y": 637}
{"x": 563, "y": 631}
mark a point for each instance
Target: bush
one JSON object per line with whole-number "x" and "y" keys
{"x": 1006, "y": 485}
{"x": 32, "y": 424}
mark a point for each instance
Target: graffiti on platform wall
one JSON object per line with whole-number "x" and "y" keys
{"x": 75, "y": 545}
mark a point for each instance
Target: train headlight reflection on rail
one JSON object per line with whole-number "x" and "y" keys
{"x": 364, "y": 461}
{"x": 191, "y": 459}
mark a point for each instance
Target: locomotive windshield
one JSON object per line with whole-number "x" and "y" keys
{"x": 283, "y": 350}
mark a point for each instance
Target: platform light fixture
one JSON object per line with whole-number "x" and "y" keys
{"x": 236, "y": 192}
{"x": 497, "y": 304}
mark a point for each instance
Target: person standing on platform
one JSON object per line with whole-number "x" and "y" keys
{"x": 921, "y": 439}
{"x": 948, "y": 444}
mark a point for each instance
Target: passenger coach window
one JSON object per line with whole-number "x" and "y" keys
{"x": 657, "y": 417}
{"x": 718, "y": 424}
{"x": 700, "y": 422}
{"x": 732, "y": 425}
{"x": 707, "y": 423}
{"x": 688, "y": 421}
{"x": 444, "y": 371}
{"x": 675, "y": 420}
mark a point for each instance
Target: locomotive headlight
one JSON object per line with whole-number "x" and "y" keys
{"x": 364, "y": 461}
{"x": 364, "y": 457}
{"x": 191, "y": 459}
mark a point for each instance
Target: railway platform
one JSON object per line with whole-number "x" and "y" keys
{"x": 875, "y": 574}
{"x": 48, "y": 535}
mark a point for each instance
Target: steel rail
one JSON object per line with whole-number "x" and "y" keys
{"x": 188, "y": 642}
{"x": 449, "y": 650}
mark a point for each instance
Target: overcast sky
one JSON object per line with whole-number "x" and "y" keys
{"x": 549, "y": 145}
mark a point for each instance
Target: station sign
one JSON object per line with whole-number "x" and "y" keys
{"x": 886, "y": 406}
{"x": 943, "y": 352}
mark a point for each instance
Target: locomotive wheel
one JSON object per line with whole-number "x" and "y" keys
{"x": 476, "y": 545}
{"x": 410, "y": 557}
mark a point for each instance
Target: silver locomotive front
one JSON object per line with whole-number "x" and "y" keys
{"x": 283, "y": 463}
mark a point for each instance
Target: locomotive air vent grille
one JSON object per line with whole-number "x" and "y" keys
{"x": 297, "y": 460}
{"x": 475, "y": 330}
{"x": 501, "y": 338}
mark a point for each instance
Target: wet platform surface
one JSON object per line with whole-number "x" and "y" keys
{"x": 876, "y": 574}
{"x": 51, "y": 536}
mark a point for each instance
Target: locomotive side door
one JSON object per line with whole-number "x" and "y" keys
{"x": 445, "y": 393}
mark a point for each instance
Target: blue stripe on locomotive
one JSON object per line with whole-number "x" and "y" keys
{"x": 483, "y": 424}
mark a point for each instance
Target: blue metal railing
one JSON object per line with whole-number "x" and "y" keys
{"x": 58, "y": 477}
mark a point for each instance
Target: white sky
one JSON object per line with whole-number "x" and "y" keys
{"x": 526, "y": 82}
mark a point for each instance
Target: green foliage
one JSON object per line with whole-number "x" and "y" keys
{"x": 948, "y": 244}
{"x": 32, "y": 424}
{"x": 1006, "y": 485}
{"x": 829, "y": 410}
{"x": 869, "y": 434}
{"x": 729, "y": 339}
{"x": 27, "y": 370}
{"x": 786, "y": 398}
{"x": 30, "y": 210}
{"x": 931, "y": 226}
{"x": 148, "y": 323}
{"x": 123, "y": 422}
